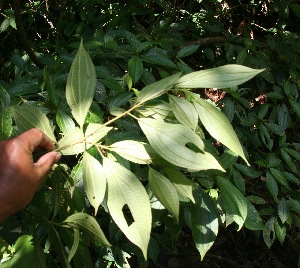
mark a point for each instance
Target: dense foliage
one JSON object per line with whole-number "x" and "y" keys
{"x": 121, "y": 88}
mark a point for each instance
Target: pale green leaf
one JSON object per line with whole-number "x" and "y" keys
{"x": 72, "y": 142}
{"x": 165, "y": 191}
{"x": 183, "y": 185}
{"x": 94, "y": 180}
{"x": 133, "y": 151}
{"x": 169, "y": 141}
{"x": 27, "y": 117}
{"x": 124, "y": 188}
{"x": 184, "y": 111}
{"x": 81, "y": 85}
{"x": 218, "y": 126}
{"x": 157, "y": 89}
{"x": 75, "y": 245}
{"x": 221, "y": 77}
{"x": 87, "y": 224}
{"x": 233, "y": 201}
{"x": 205, "y": 222}
{"x": 94, "y": 133}
{"x": 24, "y": 254}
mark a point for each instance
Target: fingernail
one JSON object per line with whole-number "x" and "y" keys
{"x": 57, "y": 157}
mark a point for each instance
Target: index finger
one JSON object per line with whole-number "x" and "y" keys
{"x": 36, "y": 138}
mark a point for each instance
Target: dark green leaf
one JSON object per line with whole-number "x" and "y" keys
{"x": 135, "y": 68}
{"x": 269, "y": 232}
{"x": 233, "y": 201}
{"x": 204, "y": 220}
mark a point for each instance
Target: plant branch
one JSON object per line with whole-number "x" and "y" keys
{"x": 104, "y": 125}
{"x": 208, "y": 41}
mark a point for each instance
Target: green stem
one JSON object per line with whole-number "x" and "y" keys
{"x": 104, "y": 125}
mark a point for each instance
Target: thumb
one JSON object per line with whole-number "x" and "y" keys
{"x": 45, "y": 163}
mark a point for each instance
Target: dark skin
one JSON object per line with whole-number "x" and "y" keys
{"x": 20, "y": 176}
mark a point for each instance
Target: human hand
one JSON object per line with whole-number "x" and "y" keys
{"x": 20, "y": 176}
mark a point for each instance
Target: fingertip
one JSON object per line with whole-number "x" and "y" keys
{"x": 46, "y": 162}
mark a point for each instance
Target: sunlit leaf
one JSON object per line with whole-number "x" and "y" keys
{"x": 81, "y": 85}
{"x": 233, "y": 201}
{"x": 165, "y": 191}
{"x": 133, "y": 151}
{"x": 183, "y": 185}
{"x": 184, "y": 111}
{"x": 94, "y": 180}
{"x": 75, "y": 244}
{"x": 205, "y": 222}
{"x": 157, "y": 89}
{"x": 169, "y": 141}
{"x": 24, "y": 254}
{"x": 88, "y": 225}
{"x": 27, "y": 117}
{"x": 125, "y": 189}
{"x": 221, "y": 77}
{"x": 218, "y": 126}
{"x": 94, "y": 133}
{"x": 72, "y": 142}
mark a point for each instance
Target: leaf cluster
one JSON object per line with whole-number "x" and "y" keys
{"x": 149, "y": 146}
